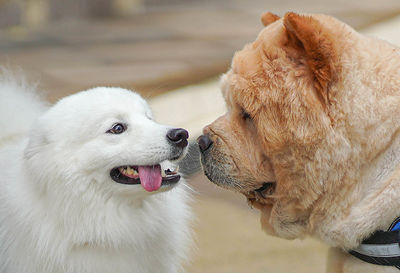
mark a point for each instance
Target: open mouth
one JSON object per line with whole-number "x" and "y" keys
{"x": 151, "y": 177}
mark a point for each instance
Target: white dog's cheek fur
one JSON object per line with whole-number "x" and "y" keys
{"x": 101, "y": 155}
{"x": 145, "y": 142}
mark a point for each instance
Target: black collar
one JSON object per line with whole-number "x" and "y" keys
{"x": 382, "y": 247}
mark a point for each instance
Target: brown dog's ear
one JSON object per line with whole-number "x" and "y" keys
{"x": 268, "y": 18}
{"x": 306, "y": 34}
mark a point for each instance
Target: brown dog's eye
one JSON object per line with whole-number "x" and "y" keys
{"x": 117, "y": 128}
{"x": 245, "y": 115}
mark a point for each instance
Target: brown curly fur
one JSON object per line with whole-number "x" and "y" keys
{"x": 314, "y": 108}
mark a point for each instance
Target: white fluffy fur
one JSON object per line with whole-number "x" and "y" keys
{"x": 59, "y": 209}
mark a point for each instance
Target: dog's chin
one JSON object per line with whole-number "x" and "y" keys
{"x": 253, "y": 191}
{"x": 216, "y": 174}
{"x": 221, "y": 180}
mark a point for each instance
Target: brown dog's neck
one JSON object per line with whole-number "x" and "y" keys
{"x": 371, "y": 204}
{"x": 367, "y": 195}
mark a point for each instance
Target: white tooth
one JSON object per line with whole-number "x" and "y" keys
{"x": 176, "y": 169}
{"x": 163, "y": 173}
{"x": 134, "y": 172}
{"x": 129, "y": 171}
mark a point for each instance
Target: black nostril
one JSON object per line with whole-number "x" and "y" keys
{"x": 178, "y": 137}
{"x": 204, "y": 142}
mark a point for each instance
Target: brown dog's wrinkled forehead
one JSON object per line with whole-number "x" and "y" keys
{"x": 282, "y": 80}
{"x": 299, "y": 49}
{"x": 256, "y": 68}
{"x": 249, "y": 60}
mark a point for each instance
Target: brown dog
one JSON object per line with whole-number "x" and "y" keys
{"x": 311, "y": 134}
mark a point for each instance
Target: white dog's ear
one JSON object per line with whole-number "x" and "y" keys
{"x": 313, "y": 42}
{"x": 36, "y": 142}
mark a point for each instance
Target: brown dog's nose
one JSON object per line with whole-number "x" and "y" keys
{"x": 204, "y": 142}
{"x": 178, "y": 137}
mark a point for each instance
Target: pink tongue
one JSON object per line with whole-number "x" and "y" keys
{"x": 150, "y": 177}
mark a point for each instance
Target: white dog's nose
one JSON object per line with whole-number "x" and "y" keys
{"x": 178, "y": 137}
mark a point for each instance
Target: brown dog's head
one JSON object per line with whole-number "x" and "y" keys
{"x": 284, "y": 141}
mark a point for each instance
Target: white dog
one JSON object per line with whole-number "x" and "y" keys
{"x": 87, "y": 186}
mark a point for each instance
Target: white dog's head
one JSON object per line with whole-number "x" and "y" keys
{"x": 106, "y": 138}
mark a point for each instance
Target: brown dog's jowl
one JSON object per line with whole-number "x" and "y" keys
{"x": 310, "y": 135}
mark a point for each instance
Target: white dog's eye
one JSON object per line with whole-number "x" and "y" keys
{"x": 117, "y": 128}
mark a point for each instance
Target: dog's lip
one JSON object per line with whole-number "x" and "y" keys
{"x": 266, "y": 189}
{"x": 115, "y": 174}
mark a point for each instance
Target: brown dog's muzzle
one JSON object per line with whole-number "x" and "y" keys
{"x": 216, "y": 164}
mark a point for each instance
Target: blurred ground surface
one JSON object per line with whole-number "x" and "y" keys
{"x": 162, "y": 48}
{"x": 166, "y": 48}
